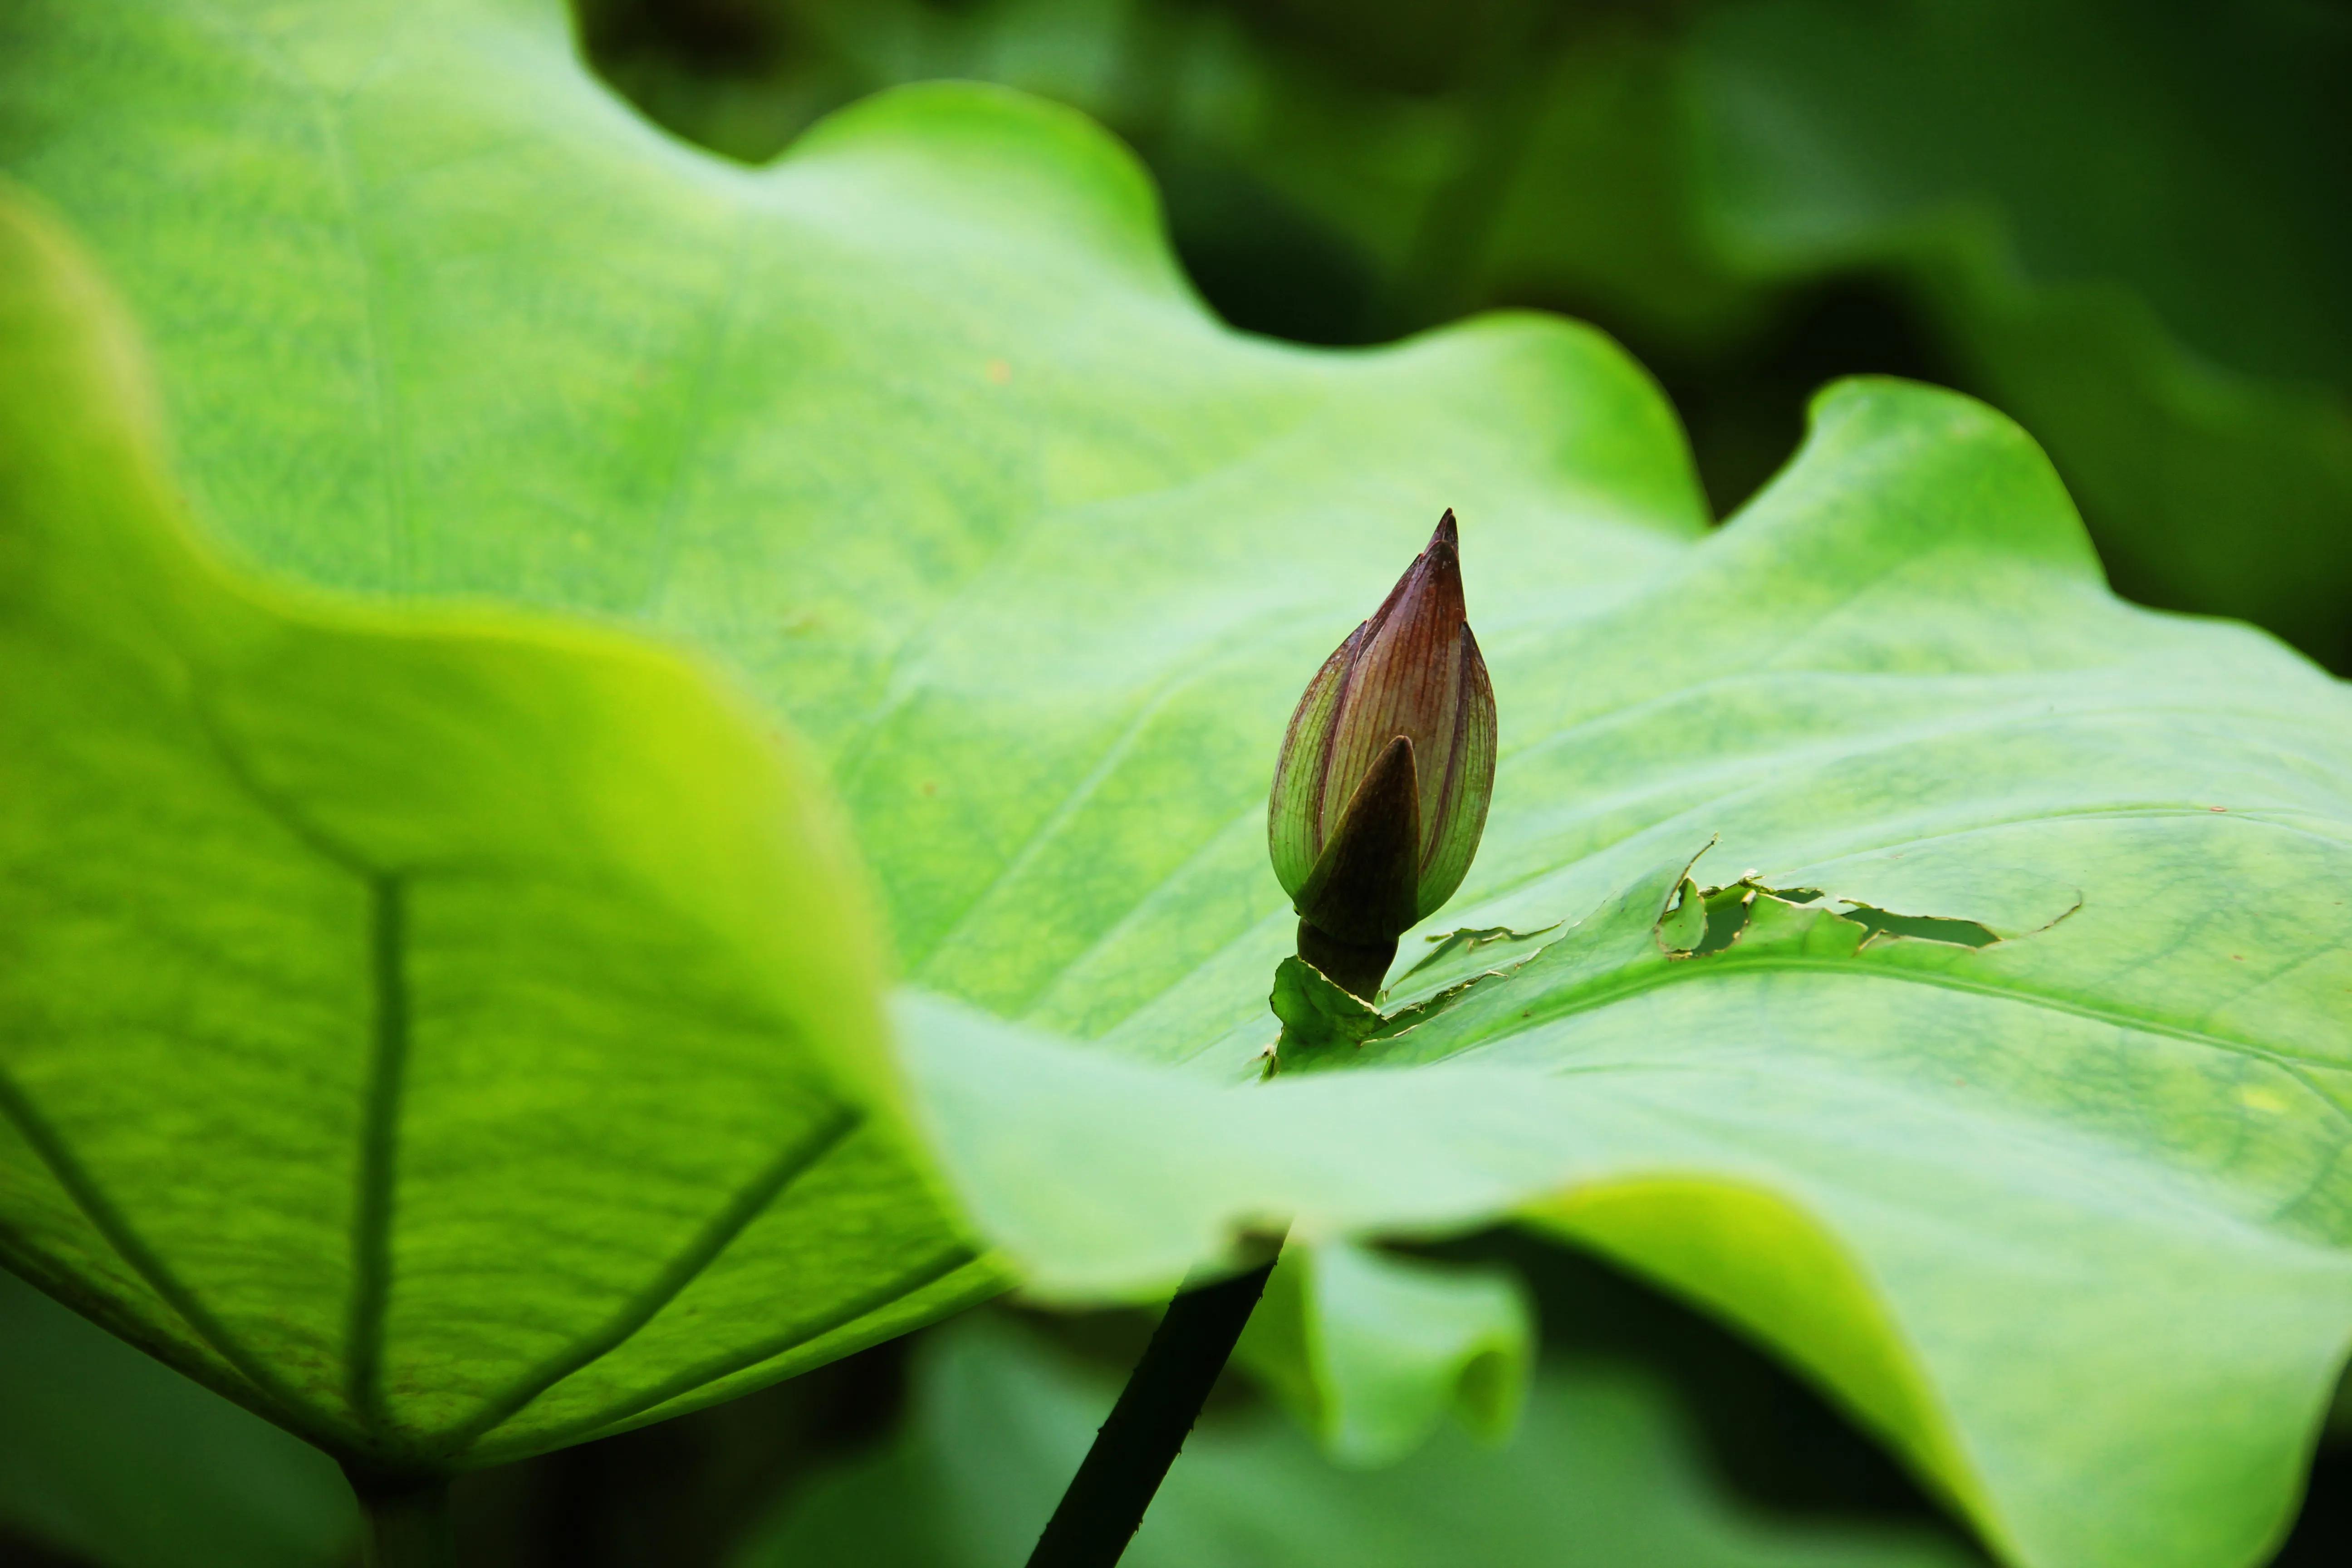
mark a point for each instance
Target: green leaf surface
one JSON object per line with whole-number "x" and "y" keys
{"x": 921, "y": 435}
{"x": 703, "y": 419}
{"x": 450, "y": 1036}
{"x": 1603, "y": 1473}
{"x": 106, "y": 1454}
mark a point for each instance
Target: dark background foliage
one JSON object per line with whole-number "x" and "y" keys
{"x": 1343, "y": 172}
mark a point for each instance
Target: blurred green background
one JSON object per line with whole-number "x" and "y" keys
{"x": 2130, "y": 226}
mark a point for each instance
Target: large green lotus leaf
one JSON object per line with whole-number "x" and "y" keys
{"x": 1603, "y": 1473}
{"x": 250, "y": 403}
{"x": 449, "y": 1036}
{"x": 2132, "y": 225}
{"x": 920, "y": 432}
{"x": 919, "y": 428}
{"x": 2059, "y": 1200}
{"x": 2045, "y": 1209}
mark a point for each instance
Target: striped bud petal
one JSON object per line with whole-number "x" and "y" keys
{"x": 1294, "y": 813}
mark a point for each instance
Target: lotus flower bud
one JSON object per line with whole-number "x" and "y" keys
{"x": 1381, "y": 792}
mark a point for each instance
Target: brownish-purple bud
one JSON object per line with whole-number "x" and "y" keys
{"x": 1380, "y": 793}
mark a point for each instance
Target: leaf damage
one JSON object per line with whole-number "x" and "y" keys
{"x": 1700, "y": 921}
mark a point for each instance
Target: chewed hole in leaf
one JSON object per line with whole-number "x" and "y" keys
{"x": 1926, "y": 928}
{"x": 1446, "y": 944}
{"x": 1457, "y": 956}
{"x": 1726, "y": 917}
{"x": 1700, "y": 922}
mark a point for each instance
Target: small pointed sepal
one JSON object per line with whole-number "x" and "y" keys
{"x": 1366, "y": 885}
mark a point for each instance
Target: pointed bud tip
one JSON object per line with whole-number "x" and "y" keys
{"x": 1442, "y": 556}
{"x": 1441, "y": 561}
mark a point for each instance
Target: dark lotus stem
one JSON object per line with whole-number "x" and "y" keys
{"x": 1098, "y": 1514}
{"x": 1105, "y": 1503}
{"x": 407, "y": 1520}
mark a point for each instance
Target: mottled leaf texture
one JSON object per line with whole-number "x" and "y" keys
{"x": 919, "y": 435}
